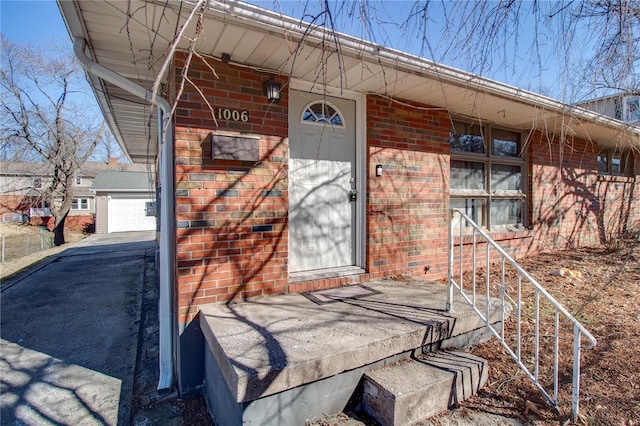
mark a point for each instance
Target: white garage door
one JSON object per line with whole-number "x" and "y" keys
{"x": 128, "y": 214}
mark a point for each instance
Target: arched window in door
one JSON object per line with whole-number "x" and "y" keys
{"x": 321, "y": 112}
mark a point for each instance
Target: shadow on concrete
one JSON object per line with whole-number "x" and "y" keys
{"x": 69, "y": 330}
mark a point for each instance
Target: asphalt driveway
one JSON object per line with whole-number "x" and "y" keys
{"x": 69, "y": 330}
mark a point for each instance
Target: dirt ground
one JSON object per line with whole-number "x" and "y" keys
{"x": 601, "y": 288}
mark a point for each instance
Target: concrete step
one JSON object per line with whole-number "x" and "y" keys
{"x": 411, "y": 391}
{"x": 285, "y": 359}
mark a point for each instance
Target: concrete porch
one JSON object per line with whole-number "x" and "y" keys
{"x": 286, "y": 359}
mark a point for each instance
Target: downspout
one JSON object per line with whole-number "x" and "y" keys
{"x": 166, "y": 213}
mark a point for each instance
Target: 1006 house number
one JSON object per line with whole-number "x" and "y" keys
{"x": 233, "y": 115}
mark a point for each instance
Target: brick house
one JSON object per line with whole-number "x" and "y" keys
{"x": 22, "y": 186}
{"x": 350, "y": 175}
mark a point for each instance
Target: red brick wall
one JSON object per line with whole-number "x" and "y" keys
{"x": 231, "y": 216}
{"x": 81, "y": 223}
{"x": 620, "y": 206}
{"x": 47, "y": 221}
{"x": 16, "y": 203}
{"x": 570, "y": 204}
{"x": 407, "y": 205}
{"x": 22, "y": 203}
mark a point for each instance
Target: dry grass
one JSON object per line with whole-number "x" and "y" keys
{"x": 19, "y": 255}
{"x": 603, "y": 294}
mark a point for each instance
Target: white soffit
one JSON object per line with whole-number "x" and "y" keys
{"x": 269, "y": 42}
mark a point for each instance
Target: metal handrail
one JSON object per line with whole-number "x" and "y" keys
{"x": 578, "y": 329}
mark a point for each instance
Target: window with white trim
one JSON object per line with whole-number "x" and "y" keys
{"x": 632, "y": 109}
{"x": 321, "y": 112}
{"x": 487, "y": 178}
{"x": 627, "y": 108}
{"x": 80, "y": 204}
{"x": 78, "y": 180}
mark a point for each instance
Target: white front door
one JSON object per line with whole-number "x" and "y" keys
{"x": 322, "y": 172}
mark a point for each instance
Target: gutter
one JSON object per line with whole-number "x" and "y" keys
{"x": 166, "y": 213}
{"x": 274, "y": 23}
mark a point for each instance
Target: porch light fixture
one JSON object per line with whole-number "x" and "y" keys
{"x": 271, "y": 89}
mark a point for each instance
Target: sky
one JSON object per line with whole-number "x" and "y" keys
{"x": 40, "y": 22}
{"x": 32, "y": 21}
{"x": 390, "y": 26}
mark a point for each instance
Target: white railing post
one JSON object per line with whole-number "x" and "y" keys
{"x": 536, "y": 335}
{"x": 503, "y": 297}
{"x": 519, "y": 318}
{"x": 539, "y": 292}
{"x": 449, "y": 306}
{"x": 461, "y": 253}
{"x": 474, "y": 244}
{"x": 575, "y": 395}
{"x": 487, "y": 284}
{"x": 556, "y": 353}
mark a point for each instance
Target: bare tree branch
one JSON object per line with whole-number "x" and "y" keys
{"x": 37, "y": 113}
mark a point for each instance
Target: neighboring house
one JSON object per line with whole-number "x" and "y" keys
{"x": 626, "y": 108}
{"x": 22, "y": 187}
{"x": 124, "y": 201}
{"x": 350, "y": 174}
{"x": 623, "y": 106}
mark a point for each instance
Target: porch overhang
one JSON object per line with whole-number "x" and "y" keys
{"x": 132, "y": 38}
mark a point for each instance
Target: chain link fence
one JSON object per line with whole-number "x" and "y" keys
{"x": 17, "y": 246}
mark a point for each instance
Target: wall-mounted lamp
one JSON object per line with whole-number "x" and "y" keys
{"x": 271, "y": 90}
{"x": 379, "y": 170}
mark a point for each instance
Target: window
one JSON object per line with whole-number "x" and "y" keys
{"x": 322, "y": 113}
{"x": 614, "y": 163}
{"x": 466, "y": 138}
{"x": 487, "y": 178}
{"x": 40, "y": 209}
{"x": 80, "y": 204}
{"x": 37, "y": 183}
{"x": 618, "y": 105}
{"x": 627, "y": 109}
{"x": 78, "y": 180}
{"x": 603, "y": 163}
{"x": 632, "y": 109}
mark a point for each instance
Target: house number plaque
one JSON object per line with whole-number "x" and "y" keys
{"x": 233, "y": 115}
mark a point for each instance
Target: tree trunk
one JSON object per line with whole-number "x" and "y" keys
{"x": 58, "y": 231}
